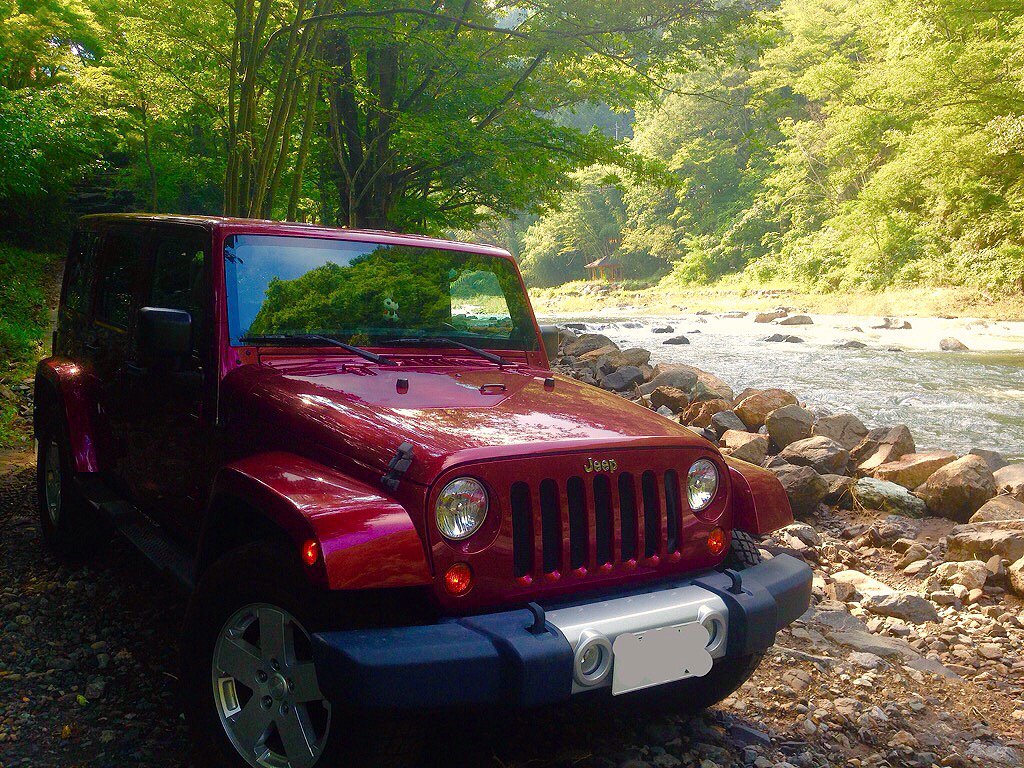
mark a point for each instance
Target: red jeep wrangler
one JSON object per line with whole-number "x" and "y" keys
{"x": 350, "y": 447}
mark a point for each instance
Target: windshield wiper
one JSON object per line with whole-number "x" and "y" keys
{"x": 454, "y": 342}
{"x": 286, "y": 337}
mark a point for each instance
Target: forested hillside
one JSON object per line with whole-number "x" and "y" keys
{"x": 848, "y": 143}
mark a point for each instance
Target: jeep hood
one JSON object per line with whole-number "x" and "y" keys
{"x": 450, "y": 415}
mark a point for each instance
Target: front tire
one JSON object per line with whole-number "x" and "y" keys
{"x": 68, "y": 525}
{"x": 250, "y": 689}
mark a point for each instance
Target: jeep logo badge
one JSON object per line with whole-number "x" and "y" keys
{"x": 600, "y": 465}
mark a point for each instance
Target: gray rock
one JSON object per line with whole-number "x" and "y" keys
{"x": 893, "y": 324}
{"x": 788, "y": 424}
{"x": 824, "y": 455}
{"x": 723, "y": 421}
{"x": 839, "y": 490}
{"x": 958, "y": 489}
{"x": 622, "y": 379}
{"x": 588, "y": 342}
{"x": 845, "y": 428}
{"x": 861, "y": 640}
{"x": 680, "y": 378}
{"x": 804, "y": 487}
{"x": 999, "y": 508}
{"x": 851, "y": 344}
{"x": 993, "y": 754}
{"x": 980, "y": 541}
{"x": 664, "y": 329}
{"x": 795, "y": 320}
{"x": 994, "y": 459}
{"x": 676, "y": 340}
{"x": 767, "y": 317}
{"x": 889, "y": 497}
{"x": 784, "y": 337}
{"x": 912, "y": 608}
{"x": 881, "y": 446}
{"x": 950, "y": 344}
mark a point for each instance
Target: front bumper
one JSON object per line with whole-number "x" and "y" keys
{"x": 524, "y": 658}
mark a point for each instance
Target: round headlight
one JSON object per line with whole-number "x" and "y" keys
{"x": 701, "y": 484}
{"x": 461, "y": 508}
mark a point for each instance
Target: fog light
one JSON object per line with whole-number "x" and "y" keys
{"x": 458, "y": 579}
{"x": 593, "y": 658}
{"x": 716, "y": 541}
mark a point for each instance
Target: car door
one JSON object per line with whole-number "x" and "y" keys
{"x": 169, "y": 431}
{"x": 107, "y": 342}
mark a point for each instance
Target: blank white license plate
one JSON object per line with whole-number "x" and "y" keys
{"x": 657, "y": 656}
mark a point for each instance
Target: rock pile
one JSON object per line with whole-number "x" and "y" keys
{"x": 833, "y": 461}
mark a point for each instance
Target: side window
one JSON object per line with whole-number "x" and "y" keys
{"x": 120, "y": 254}
{"x": 179, "y": 275}
{"x": 81, "y": 268}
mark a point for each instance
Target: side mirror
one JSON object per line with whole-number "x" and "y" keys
{"x": 164, "y": 334}
{"x": 549, "y": 335}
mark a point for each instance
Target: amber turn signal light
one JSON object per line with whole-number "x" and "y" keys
{"x": 458, "y": 579}
{"x": 716, "y": 541}
{"x": 310, "y": 552}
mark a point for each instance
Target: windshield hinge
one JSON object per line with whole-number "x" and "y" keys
{"x": 397, "y": 467}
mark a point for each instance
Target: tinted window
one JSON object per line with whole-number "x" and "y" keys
{"x": 81, "y": 268}
{"x": 120, "y": 254}
{"x": 179, "y": 279}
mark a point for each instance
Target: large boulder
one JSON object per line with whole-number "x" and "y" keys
{"x": 699, "y": 414}
{"x": 767, "y": 317}
{"x": 680, "y": 378}
{"x": 1010, "y": 480}
{"x": 621, "y": 358}
{"x": 795, "y": 320}
{"x": 755, "y": 407}
{"x": 1016, "y": 575}
{"x": 723, "y": 421}
{"x": 889, "y": 497}
{"x": 914, "y": 468}
{"x": 709, "y": 389}
{"x": 594, "y": 357}
{"x": 623, "y": 379}
{"x": 788, "y": 424}
{"x": 970, "y": 573}
{"x": 979, "y": 541}
{"x": 824, "y": 455}
{"x": 958, "y": 489}
{"x": 901, "y": 605}
{"x": 840, "y": 490}
{"x": 588, "y": 342}
{"x": 994, "y": 458}
{"x": 675, "y": 399}
{"x": 804, "y": 487}
{"x": 745, "y": 446}
{"x": 999, "y": 508}
{"x": 845, "y": 428}
{"x": 882, "y": 446}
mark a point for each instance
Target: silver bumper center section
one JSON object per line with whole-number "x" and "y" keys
{"x": 592, "y": 629}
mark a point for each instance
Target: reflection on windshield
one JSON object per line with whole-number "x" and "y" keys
{"x": 364, "y": 293}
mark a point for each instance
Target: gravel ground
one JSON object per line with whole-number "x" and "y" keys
{"x": 87, "y": 678}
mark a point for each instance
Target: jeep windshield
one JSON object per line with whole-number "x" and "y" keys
{"x": 372, "y": 294}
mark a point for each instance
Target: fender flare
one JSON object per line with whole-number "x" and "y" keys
{"x": 760, "y": 504}
{"x": 73, "y": 396}
{"x": 366, "y": 540}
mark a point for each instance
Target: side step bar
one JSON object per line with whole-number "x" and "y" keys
{"x": 169, "y": 557}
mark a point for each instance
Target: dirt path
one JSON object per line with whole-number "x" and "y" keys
{"x": 87, "y": 672}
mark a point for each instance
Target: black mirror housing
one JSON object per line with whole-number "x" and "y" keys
{"x": 164, "y": 334}
{"x": 549, "y": 335}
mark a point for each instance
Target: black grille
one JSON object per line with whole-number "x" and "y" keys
{"x": 593, "y": 513}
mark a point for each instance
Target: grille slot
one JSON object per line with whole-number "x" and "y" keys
{"x": 551, "y": 526}
{"x": 603, "y": 519}
{"x": 652, "y": 513}
{"x": 627, "y": 515}
{"x": 522, "y": 528}
{"x": 673, "y": 509}
{"x": 577, "y": 502}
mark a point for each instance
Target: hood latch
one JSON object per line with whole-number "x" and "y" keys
{"x": 397, "y": 467}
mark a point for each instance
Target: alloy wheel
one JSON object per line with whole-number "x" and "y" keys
{"x": 52, "y": 482}
{"x": 265, "y": 689}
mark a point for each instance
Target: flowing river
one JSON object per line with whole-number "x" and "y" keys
{"x": 950, "y": 400}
